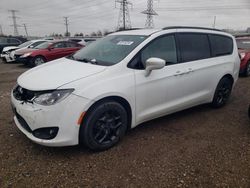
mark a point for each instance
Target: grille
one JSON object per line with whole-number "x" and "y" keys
{"x": 23, "y": 94}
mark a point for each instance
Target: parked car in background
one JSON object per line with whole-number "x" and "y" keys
{"x": 10, "y": 41}
{"x": 243, "y": 44}
{"x": 46, "y": 52}
{"x": 83, "y": 41}
{"x": 120, "y": 81}
{"x": 8, "y": 52}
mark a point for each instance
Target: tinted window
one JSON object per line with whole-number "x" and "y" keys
{"x": 163, "y": 48}
{"x": 13, "y": 41}
{"x": 59, "y": 45}
{"x": 221, "y": 45}
{"x": 76, "y": 40}
{"x": 3, "y": 40}
{"x": 71, "y": 45}
{"x": 193, "y": 46}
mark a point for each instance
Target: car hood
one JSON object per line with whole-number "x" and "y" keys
{"x": 57, "y": 73}
{"x": 5, "y": 49}
{"x": 24, "y": 51}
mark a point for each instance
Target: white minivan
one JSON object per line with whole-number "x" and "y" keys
{"x": 122, "y": 80}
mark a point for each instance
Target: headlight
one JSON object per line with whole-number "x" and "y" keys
{"x": 26, "y": 55}
{"x": 242, "y": 55}
{"x": 53, "y": 97}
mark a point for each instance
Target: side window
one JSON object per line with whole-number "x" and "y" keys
{"x": 71, "y": 45}
{"x": 193, "y": 46}
{"x": 13, "y": 41}
{"x": 59, "y": 45}
{"x": 163, "y": 47}
{"x": 221, "y": 45}
{"x": 3, "y": 40}
{"x": 36, "y": 44}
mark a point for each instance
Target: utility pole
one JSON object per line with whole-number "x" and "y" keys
{"x": 67, "y": 26}
{"x": 14, "y": 17}
{"x": 1, "y": 30}
{"x": 214, "y": 22}
{"x": 124, "y": 17}
{"x": 150, "y": 13}
{"x": 25, "y": 28}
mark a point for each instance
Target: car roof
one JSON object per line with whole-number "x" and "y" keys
{"x": 147, "y": 32}
{"x": 143, "y": 32}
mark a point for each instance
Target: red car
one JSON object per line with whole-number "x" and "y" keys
{"x": 46, "y": 52}
{"x": 244, "y": 50}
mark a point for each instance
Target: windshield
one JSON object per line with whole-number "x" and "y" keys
{"x": 109, "y": 50}
{"x": 25, "y": 44}
{"x": 43, "y": 45}
{"x": 243, "y": 43}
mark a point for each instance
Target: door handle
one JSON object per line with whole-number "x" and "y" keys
{"x": 179, "y": 73}
{"x": 190, "y": 70}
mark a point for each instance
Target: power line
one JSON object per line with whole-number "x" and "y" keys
{"x": 14, "y": 17}
{"x": 124, "y": 17}
{"x": 67, "y": 26}
{"x": 150, "y": 13}
{"x": 1, "y": 30}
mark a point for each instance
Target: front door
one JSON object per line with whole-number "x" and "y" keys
{"x": 158, "y": 93}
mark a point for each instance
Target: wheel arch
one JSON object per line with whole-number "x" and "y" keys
{"x": 118, "y": 99}
{"x": 40, "y": 55}
{"x": 230, "y": 77}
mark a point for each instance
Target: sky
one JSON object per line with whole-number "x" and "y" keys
{"x": 45, "y": 17}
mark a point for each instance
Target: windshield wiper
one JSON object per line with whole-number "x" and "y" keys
{"x": 85, "y": 60}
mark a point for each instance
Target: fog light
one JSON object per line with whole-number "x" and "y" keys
{"x": 47, "y": 133}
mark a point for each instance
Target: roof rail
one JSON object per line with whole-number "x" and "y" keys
{"x": 189, "y": 27}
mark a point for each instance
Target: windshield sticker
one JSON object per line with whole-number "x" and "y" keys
{"x": 125, "y": 43}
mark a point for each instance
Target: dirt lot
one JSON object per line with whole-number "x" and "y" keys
{"x": 199, "y": 147}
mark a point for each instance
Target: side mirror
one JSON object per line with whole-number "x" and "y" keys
{"x": 153, "y": 64}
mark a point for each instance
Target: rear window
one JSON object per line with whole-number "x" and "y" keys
{"x": 193, "y": 46}
{"x": 221, "y": 45}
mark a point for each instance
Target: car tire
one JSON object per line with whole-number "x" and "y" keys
{"x": 103, "y": 126}
{"x": 222, "y": 92}
{"x": 247, "y": 70}
{"x": 36, "y": 61}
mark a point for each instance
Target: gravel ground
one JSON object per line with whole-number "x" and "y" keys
{"x": 199, "y": 147}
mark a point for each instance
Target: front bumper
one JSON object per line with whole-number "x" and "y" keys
{"x": 24, "y": 60}
{"x": 7, "y": 57}
{"x": 63, "y": 115}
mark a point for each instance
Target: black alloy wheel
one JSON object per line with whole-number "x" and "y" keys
{"x": 222, "y": 92}
{"x": 104, "y": 125}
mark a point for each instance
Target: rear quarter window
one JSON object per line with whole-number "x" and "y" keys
{"x": 193, "y": 46}
{"x": 221, "y": 45}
